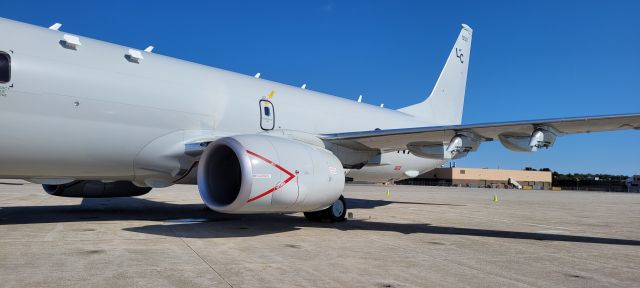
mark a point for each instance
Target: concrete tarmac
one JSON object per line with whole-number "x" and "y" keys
{"x": 414, "y": 237}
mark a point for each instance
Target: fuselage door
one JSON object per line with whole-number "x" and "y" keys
{"x": 5, "y": 73}
{"x": 267, "y": 115}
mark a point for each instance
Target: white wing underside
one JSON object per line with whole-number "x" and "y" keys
{"x": 394, "y": 139}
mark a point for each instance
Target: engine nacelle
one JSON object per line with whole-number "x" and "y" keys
{"x": 459, "y": 146}
{"x": 463, "y": 143}
{"x": 261, "y": 173}
{"x": 543, "y": 137}
{"x": 96, "y": 189}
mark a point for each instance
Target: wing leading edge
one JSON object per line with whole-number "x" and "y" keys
{"x": 394, "y": 139}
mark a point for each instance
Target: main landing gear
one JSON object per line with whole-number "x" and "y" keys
{"x": 334, "y": 213}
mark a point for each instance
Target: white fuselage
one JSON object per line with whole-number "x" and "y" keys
{"x": 394, "y": 166}
{"x": 89, "y": 113}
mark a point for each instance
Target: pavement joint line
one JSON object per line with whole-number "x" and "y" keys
{"x": 547, "y": 226}
{"x": 548, "y": 254}
{"x": 88, "y": 240}
{"x": 50, "y": 236}
{"x": 525, "y": 223}
{"x": 202, "y": 259}
{"x": 449, "y": 261}
{"x": 551, "y": 254}
{"x": 469, "y": 267}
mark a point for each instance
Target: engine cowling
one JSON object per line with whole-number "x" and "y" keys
{"x": 542, "y": 137}
{"x": 260, "y": 173}
{"x": 459, "y": 146}
{"x": 96, "y": 189}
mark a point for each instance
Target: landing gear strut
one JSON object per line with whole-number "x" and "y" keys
{"x": 334, "y": 213}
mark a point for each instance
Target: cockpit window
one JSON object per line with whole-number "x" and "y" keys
{"x": 5, "y": 67}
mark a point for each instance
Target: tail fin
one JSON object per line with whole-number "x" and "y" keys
{"x": 444, "y": 105}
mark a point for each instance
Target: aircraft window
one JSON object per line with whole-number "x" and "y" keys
{"x": 5, "y": 67}
{"x": 267, "y": 111}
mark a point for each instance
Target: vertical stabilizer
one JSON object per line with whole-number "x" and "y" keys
{"x": 444, "y": 104}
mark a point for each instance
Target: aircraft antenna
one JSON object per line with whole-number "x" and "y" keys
{"x": 55, "y": 26}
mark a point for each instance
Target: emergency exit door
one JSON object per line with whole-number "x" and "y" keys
{"x": 267, "y": 115}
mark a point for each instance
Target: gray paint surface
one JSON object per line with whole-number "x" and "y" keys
{"x": 91, "y": 113}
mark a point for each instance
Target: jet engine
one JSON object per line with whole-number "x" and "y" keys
{"x": 459, "y": 146}
{"x": 260, "y": 173}
{"x": 96, "y": 189}
{"x": 542, "y": 137}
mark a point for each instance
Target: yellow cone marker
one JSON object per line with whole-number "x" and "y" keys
{"x": 495, "y": 198}
{"x": 388, "y": 193}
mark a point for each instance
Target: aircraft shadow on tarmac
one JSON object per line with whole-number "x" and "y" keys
{"x": 355, "y": 203}
{"x": 196, "y": 221}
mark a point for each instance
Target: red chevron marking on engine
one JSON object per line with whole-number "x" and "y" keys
{"x": 279, "y": 185}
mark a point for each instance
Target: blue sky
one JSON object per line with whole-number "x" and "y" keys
{"x": 529, "y": 60}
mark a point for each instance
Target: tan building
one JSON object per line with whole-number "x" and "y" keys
{"x": 476, "y": 177}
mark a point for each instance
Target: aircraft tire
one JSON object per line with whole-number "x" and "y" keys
{"x": 335, "y": 213}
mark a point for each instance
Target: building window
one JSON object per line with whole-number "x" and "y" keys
{"x": 462, "y": 171}
{"x": 5, "y": 67}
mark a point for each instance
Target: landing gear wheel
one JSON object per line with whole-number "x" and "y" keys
{"x": 338, "y": 210}
{"x": 334, "y": 213}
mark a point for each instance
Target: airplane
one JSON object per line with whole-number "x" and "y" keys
{"x": 86, "y": 118}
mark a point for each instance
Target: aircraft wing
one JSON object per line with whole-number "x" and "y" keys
{"x": 517, "y": 136}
